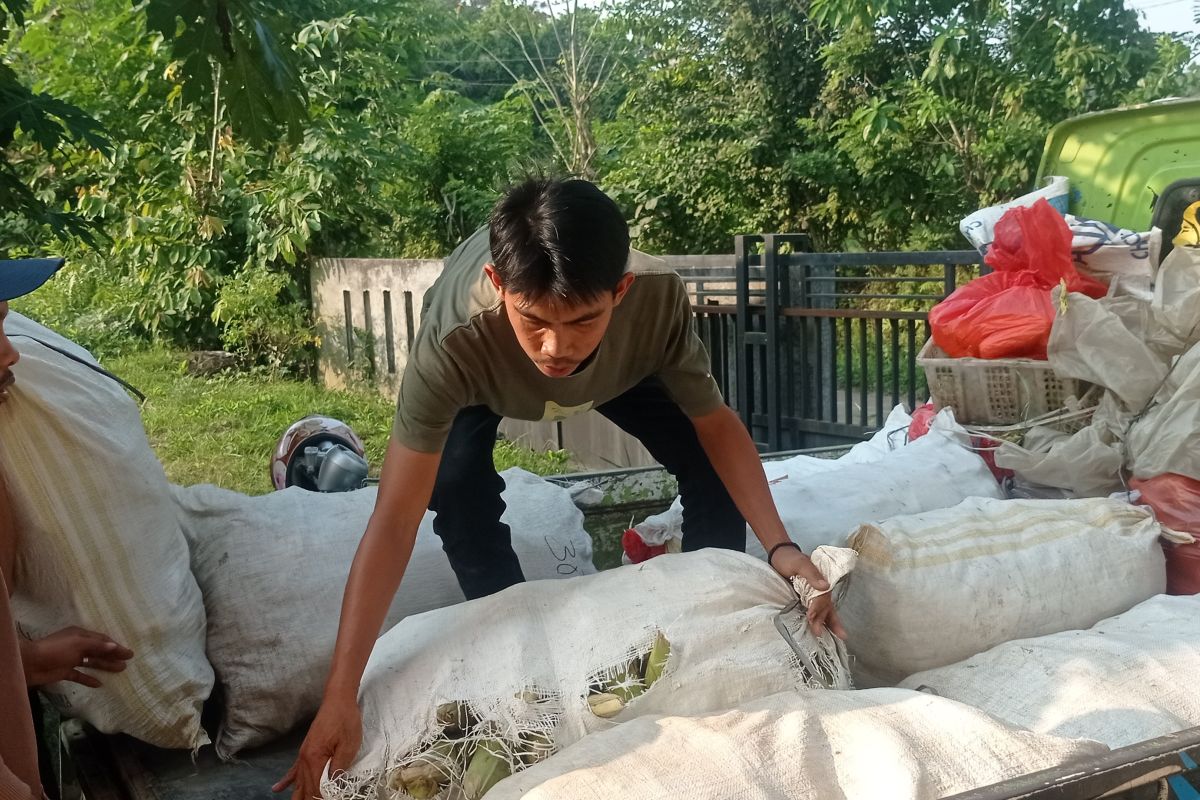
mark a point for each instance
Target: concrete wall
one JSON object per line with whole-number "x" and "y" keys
{"x": 592, "y": 441}
{"x": 368, "y": 310}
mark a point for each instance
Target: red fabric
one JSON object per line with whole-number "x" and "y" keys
{"x": 636, "y": 548}
{"x": 1008, "y": 313}
{"x": 1176, "y": 503}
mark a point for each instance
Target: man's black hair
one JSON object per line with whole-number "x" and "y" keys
{"x": 564, "y": 240}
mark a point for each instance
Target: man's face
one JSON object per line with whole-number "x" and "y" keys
{"x": 556, "y": 336}
{"x": 8, "y": 356}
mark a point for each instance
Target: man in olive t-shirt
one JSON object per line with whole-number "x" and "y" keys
{"x": 538, "y": 317}
{"x": 649, "y": 374}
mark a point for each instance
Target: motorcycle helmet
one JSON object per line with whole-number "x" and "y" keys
{"x": 320, "y": 454}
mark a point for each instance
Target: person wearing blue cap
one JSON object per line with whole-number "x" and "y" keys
{"x": 18, "y": 278}
{"x": 57, "y": 657}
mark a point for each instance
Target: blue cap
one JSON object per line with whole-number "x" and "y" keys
{"x": 22, "y": 276}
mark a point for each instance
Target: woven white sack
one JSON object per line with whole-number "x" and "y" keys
{"x": 932, "y": 589}
{"x": 821, "y": 502}
{"x": 878, "y": 743}
{"x": 555, "y": 638}
{"x": 273, "y": 569}
{"x": 99, "y": 543}
{"x": 1126, "y": 680}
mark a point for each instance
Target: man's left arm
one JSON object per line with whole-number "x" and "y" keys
{"x": 736, "y": 461}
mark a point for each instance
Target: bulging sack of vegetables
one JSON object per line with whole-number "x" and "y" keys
{"x": 454, "y": 700}
{"x": 865, "y": 745}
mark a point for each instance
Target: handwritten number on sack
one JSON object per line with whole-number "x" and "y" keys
{"x": 568, "y": 553}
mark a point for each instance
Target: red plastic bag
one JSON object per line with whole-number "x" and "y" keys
{"x": 986, "y": 447}
{"x": 922, "y": 418}
{"x": 1008, "y": 313}
{"x": 637, "y": 550}
{"x": 1183, "y": 568}
{"x": 1036, "y": 239}
{"x": 1176, "y": 503}
{"x": 1175, "y": 500}
{"x": 1000, "y": 315}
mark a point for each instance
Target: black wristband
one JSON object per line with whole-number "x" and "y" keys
{"x": 771, "y": 552}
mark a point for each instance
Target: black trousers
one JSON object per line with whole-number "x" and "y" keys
{"x": 466, "y": 496}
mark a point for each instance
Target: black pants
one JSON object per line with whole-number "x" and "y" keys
{"x": 467, "y": 504}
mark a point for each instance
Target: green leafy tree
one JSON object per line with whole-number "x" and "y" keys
{"x": 931, "y": 109}
{"x": 872, "y": 125}
{"x": 563, "y": 58}
{"x": 208, "y": 233}
{"x": 700, "y": 149}
{"x": 222, "y": 45}
{"x": 463, "y": 154}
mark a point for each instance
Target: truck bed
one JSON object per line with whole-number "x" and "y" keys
{"x": 107, "y": 767}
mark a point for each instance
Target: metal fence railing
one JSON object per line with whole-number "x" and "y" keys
{"x": 813, "y": 349}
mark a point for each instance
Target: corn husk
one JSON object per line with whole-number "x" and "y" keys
{"x": 429, "y": 773}
{"x": 488, "y": 766}
{"x": 534, "y": 747}
{"x": 455, "y": 719}
{"x": 605, "y": 704}
{"x": 657, "y": 662}
{"x": 626, "y": 685}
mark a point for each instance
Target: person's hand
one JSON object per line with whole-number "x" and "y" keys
{"x": 821, "y": 615}
{"x": 789, "y": 562}
{"x": 61, "y": 655}
{"x": 334, "y": 738}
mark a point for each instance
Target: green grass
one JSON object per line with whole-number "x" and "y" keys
{"x": 222, "y": 429}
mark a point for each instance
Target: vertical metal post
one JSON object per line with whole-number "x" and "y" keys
{"x": 369, "y": 328}
{"x": 389, "y": 333}
{"x": 863, "y": 372}
{"x": 829, "y": 374}
{"x": 771, "y": 319}
{"x": 848, "y": 342}
{"x": 911, "y": 359}
{"x": 878, "y": 371}
{"x": 349, "y": 316}
{"x": 741, "y": 266}
{"x": 895, "y": 326}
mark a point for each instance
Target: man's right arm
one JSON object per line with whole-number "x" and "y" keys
{"x": 405, "y": 486}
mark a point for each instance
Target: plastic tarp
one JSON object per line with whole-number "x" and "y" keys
{"x": 1167, "y": 438}
{"x": 1138, "y": 345}
{"x": 1087, "y": 462}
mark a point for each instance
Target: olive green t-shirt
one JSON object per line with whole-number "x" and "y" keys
{"x": 466, "y": 353}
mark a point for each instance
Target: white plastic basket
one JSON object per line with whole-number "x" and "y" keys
{"x": 995, "y": 391}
